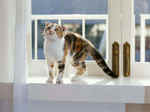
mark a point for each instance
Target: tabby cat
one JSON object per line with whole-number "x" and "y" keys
{"x": 58, "y": 44}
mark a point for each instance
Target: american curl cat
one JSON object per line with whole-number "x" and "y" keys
{"x": 58, "y": 44}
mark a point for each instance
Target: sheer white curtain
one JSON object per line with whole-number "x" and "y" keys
{"x": 20, "y": 89}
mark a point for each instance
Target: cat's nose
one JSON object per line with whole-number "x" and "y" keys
{"x": 50, "y": 32}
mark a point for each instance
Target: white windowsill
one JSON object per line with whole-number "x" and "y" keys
{"x": 96, "y": 80}
{"x": 104, "y": 91}
{"x": 92, "y": 89}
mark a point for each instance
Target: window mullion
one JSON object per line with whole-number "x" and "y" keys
{"x": 142, "y": 39}
{"x": 114, "y": 9}
{"x": 128, "y": 34}
{"x": 36, "y": 39}
{"x": 83, "y": 27}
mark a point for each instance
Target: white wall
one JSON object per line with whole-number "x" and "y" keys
{"x": 7, "y": 35}
{"x": 6, "y": 104}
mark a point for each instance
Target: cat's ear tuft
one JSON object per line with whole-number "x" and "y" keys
{"x": 46, "y": 23}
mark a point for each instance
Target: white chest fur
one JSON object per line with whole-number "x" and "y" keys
{"x": 53, "y": 49}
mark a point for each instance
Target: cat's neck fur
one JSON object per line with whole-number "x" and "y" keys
{"x": 53, "y": 49}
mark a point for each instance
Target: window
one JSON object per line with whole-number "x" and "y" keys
{"x": 120, "y": 30}
{"x": 94, "y": 23}
{"x": 91, "y": 22}
{"x": 142, "y": 23}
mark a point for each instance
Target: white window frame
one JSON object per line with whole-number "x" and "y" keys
{"x": 121, "y": 29}
{"x": 141, "y": 68}
{"x": 92, "y": 94}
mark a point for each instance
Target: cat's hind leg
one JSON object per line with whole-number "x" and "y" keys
{"x": 81, "y": 70}
{"x": 79, "y": 64}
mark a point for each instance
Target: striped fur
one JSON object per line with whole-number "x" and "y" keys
{"x": 82, "y": 48}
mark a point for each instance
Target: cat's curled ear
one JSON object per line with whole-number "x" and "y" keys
{"x": 46, "y": 23}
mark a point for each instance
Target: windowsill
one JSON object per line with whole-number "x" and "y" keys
{"x": 92, "y": 89}
{"x": 96, "y": 80}
{"x": 105, "y": 90}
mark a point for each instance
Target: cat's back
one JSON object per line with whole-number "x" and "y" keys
{"x": 72, "y": 37}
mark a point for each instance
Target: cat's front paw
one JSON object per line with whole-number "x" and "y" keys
{"x": 49, "y": 81}
{"x": 59, "y": 81}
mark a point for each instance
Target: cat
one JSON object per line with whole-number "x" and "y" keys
{"x": 58, "y": 44}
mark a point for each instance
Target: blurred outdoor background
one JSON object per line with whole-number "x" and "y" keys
{"x": 94, "y": 29}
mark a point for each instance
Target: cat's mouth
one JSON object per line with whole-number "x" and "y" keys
{"x": 50, "y": 33}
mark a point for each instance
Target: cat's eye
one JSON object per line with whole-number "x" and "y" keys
{"x": 49, "y": 28}
{"x": 56, "y": 29}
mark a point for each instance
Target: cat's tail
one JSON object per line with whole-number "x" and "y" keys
{"x": 101, "y": 62}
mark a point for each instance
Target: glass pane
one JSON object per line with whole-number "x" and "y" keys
{"x": 147, "y": 27}
{"x": 33, "y": 40}
{"x": 41, "y": 25}
{"x": 69, "y": 7}
{"x": 73, "y": 25}
{"x": 95, "y": 31}
{"x": 147, "y": 41}
{"x": 141, "y": 7}
{"x": 51, "y": 7}
{"x": 147, "y": 48}
{"x": 137, "y": 48}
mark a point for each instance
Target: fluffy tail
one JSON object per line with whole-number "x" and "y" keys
{"x": 101, "y": 62}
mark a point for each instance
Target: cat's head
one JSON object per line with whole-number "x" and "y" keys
{"x": 53, "y": 31}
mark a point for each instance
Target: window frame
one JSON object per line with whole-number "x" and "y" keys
{"x": 121, "y": 15}
{"x": 141, "y": 68}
